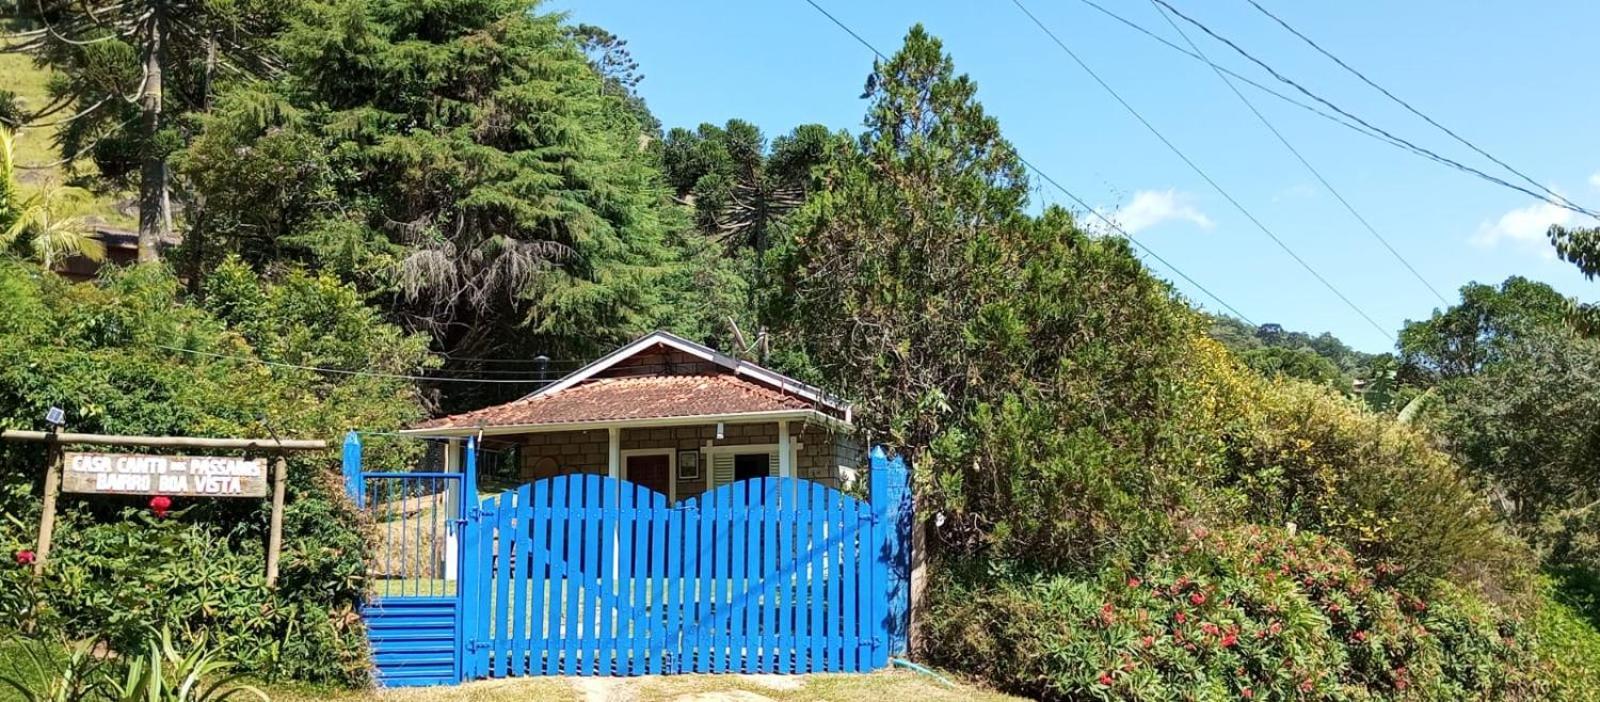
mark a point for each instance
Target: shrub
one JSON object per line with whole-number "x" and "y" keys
{"x": 1326, "y": 464}
{"x": 1566, "y": 631}
{"x": 1244, "y": 613}
{"x": 96, "y": 351}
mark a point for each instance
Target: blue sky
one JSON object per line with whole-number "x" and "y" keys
{"x": 1516, "y": 78}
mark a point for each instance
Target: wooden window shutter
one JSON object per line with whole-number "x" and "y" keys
{"x": 772, "y": 464}
{"x": 721, "y": 469}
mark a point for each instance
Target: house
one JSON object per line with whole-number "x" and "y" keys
{"x": 672, "y": 415}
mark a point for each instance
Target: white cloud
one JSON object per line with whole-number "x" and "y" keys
{"x": 1152, "y": 207}
{"x": 1524, "y": 227}
{"x": 1594, "y": 180}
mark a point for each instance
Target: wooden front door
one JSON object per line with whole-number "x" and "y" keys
{"x": 653, "y": 471}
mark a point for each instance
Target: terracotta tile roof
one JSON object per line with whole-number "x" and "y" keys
{"x": 644, "y": 397}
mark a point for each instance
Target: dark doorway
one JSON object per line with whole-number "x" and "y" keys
{"x": 654, "y": 472}
{"x": 751, "y": 465}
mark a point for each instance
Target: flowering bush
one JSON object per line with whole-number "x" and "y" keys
{"x": 1248, "y": 613}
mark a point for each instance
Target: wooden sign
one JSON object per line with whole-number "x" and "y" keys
{"x": 140, "y": 474}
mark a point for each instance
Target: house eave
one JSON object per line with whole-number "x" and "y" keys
{"x": 804, "y": 415}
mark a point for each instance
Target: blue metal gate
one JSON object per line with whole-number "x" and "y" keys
{"x": 590, "y": 575}
{"x": 414, "y": 615}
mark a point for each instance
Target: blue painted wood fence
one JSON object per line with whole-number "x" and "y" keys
{"x": 589, "y": 575}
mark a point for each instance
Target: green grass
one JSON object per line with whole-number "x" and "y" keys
{"x": 36, "y": 147}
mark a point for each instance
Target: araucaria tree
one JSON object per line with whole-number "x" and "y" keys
{"x": 129, "y": 73}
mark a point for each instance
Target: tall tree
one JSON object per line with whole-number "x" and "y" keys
{"x": 462, "y": 161}
{"x": 739, "y": 187}
{"x": 131, "y": 70}
{"x": 1462, "y": 340}
{"x": 1027, "y": 367}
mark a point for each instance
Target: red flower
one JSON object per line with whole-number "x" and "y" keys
{"x": 1359, "y": 636}
{"x": 1197, "y": 599}
{"x": 1247, "y": 693}
{"x": 1105, "y": 679}
{"x": 26, "y": 557}
{"x": 1306, "y": 685}
{"x": 1209, "y": 628}
{"x": 1134, "y": 582}
{"x": 160, "y": 504}
{"x": 1180, "y": 617}
{"x": 1229, "y": 640}
{"x": 1148, "y": 641}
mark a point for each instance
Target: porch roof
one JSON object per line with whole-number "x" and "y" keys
{"x": 638, "y": 401}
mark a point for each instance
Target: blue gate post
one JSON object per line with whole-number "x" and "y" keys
{"x": 890, "y": 494}
{"x": 469, "y": 572}
{"x": 354, "y": 486}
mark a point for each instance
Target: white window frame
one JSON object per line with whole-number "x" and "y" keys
{"x": 672, "y": 467}
{"x": 709, "y": 451}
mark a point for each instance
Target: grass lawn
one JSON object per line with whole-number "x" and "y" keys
{"x": 875, "y": 687}
{"x": 36, "y": 146}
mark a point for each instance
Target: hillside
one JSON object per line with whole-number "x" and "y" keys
{"x": 36, "y": 155}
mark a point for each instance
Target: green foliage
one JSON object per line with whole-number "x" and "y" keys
{"x": 1238, "y": 614}
{"x": 1004, "y": 352}
{"x": 1272, "y": 350}
{"x": 97, "y": 351}
{"x": 43, "y": 225}
{"x": 461, "y": 162}
{"x": 1298, "y": 363}
{"x": 1528, "y": 426}
{"x": 1581, "y": 248}
{"x": 1566, "y": 632}
{"x": 1380, "y": 488}
{"x": 160, "y": 672}
{"x": 1468, "y": 337}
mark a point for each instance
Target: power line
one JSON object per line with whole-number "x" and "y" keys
{"x": 1409, "y": 146}
{"x": 1336, "y": 119}
{"x": 1463, "y": 140}
{"x": 344, "y": 371}
{"x": 1286, "y": 144}
{"x": 1202, "y": 173}
{"x": 1081, "y": 202}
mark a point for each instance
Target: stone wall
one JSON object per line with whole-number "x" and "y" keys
{"x": 549, "y": 454}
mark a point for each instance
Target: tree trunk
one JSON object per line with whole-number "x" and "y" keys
{"x": 155, "y": 219}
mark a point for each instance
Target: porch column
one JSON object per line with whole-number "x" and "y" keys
{"x": 614, "y": 457}
{"x": 785, "y": 461}
{"x": 452, "y": 542}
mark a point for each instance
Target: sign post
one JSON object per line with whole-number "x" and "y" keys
{"x": 143, "y": 474}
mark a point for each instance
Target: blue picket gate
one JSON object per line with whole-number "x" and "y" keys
{"x": 590, "y": 575}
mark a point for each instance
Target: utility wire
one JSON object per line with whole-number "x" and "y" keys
{"x": 1463, "y": 140}
{"x": 1336, "y": 119}
{"x": 1159, "y": 4}
{"x": 1409, "y": 146}
{"x": 344, "y": 371}
{"x": 1202, "y": 173}
{"x": 1081, "y": 202}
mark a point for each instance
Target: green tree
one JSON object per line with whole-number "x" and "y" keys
{"x": 1528, "y": 426}
{"x": 1300, "y": 363}
{"x": 1027, "y": 367}
{"x": 463, "y": 162}
{"x": 1466, "y": 338}
{"x": 132, "y": 71}
{"x": 1581, "y": 247}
